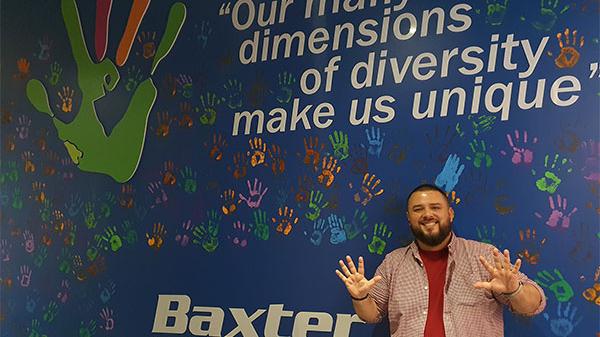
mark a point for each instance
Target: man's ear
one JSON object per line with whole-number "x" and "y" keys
{"x": 451, "y": 212}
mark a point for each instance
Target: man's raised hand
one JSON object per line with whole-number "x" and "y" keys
{"x": 357, "y": 284}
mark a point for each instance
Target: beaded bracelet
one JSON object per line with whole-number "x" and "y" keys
{"x": 514, "y": 293}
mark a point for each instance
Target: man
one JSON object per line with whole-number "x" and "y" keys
{"x": 441, "y": 285}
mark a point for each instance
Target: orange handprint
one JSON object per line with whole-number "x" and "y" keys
{"x": 285, "y": 221}
{"x": 257, "y": 151}
{"x": 329, "y": 169}
{"x": 569, "y": 55}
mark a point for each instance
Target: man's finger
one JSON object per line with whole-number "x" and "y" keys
{"x": 487, "y": 265}
{"x": 340, "y": 275}
{"x": 517, "y": 266}
{"x": 506, "y": 259}
{"x": 361, "y": 265}
{"x": 344, "y": 269}
{"x": 374, "y": 280}
{"x": 497, "y": 260}
{"x": 483, "y": 285}
{"x": 351, "y": 265}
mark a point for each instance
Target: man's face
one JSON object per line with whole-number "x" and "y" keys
{"x": 430, "y": 217}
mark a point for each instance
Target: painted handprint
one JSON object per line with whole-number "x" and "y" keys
{"x": 564, "y": 323}
{"x": 85, "y": 137}
{"x": 216, "y": 148}
{"x": 379, "y": 239}
{"x": 556, "y": 283}
{"x": 126, "y": 199}
{"x": 208, "y": 108}
{"x": 480, "y": 156}
{"x": 531, "y": 250}
{"x": 315, "y": 205}
{"x": 134, "y": 77}
{"x": 188, "y": 180}
{"x": 156, "y": 239}
{"x": 186, "y": 120}
{"x": 591, "y": 167}
{"x": 28, "y": 241}
{"x": 496, "y": 11}
{"x": 158, "y": 195}
{"x": 374, "y": 141}
{"x": 23, "y": 124}
{"x": 337, "y": 227}
{"x": 592, "y": 294}
{"x": 329, "y": 169}
{"x": 312, "y": 151}
{"x": 360, "y": 161}
{"x": 260, "y": 227}
{"x": 241, "y": 232}
{"x": 558, "y": 213}
{"x": 66, "y": 99}
{"x": 357, "y": 225}
{"x": 569, "y": 55}
{"x": 25, "y": 276}
{"x": 521, "y": 154}
{"x": 206, "y": 234}
{"x": 486, "y": 234}
{"x": 339, "y": 142}
{"x": 550, "y": 10}
{"x": 168, "y": 174}
{"x": 369, "y": 189}
{"x": 111, "y": 239}
{"x": 45, "y": 45}
{"x": 448, "y": 178}
{"x": 148, "y": 44}
{"x": 87, "y": 329}
{"x": 202, "y": 32}
{"x": 285, "y": 220}
{"x": 186, "y": 83}
{"x": 255, "y": 194}
{"x": 319, "y": 230}
{"x": 285, "y": 83}
{"x": 239, "y": 167}
{"x": 257, "y": 152}
{"x": 108, "y": 322}
{"x": 277, "y": 159}
{"x": 50, "y": 312}
{"x": 23, "y": 68}
{"x": 229, "y": 204}
{"x": 55, "y": 73}
{"x": 163, "y": 124}
{"x": 183, "y": 238}
{"x": 550, "y": 181}
{"x": 233, "y": 94}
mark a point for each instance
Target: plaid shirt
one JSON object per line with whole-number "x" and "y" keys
{"x": 402, "y": 294}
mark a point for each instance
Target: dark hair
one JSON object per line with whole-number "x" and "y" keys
{"x": 426, "y": 187}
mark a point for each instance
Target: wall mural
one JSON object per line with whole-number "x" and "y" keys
{"x": 195, "y": 168}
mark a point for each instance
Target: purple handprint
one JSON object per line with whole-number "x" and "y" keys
{"x": 591, "y": 168}
{"x": 157, "y": 193}
{"x": 63, "y": 294}
{"x": 184, "y": 238}
{"x": 25, "y": 277}
{"x": 241, "y": 232}
{"x": 23, "y": 127}
{"x": 559, "y": 214}
{"x": 256, "y": 194}
{"x": 29, "y": 242}
{"x": 521, "y": 154}
{"x": 4, "y": 254}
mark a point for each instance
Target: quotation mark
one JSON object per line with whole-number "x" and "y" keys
{"x": 225, "y": 8}
{"x": 594, "y": 69}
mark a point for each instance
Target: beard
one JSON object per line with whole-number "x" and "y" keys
{"x": 432, "y": 240}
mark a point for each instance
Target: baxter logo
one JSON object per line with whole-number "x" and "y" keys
{"x": 208, "y": 321}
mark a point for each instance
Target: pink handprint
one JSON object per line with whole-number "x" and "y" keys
{"x": 256, "y": 194}
{"x": 63, "y": 294}
{"x": 107, "y": 316}
{"x": 29, "y": 242}
{"x": 521, "y": 154}
{"x": 241, "y": 232}
{"x": 184, "y": 238}
{"x": 591, "y": 168}
{"x": 559, "y": 214}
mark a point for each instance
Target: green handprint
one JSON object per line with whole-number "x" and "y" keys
{"x": 486, "y": 235}
{"x": 315, "y": 204}
{"x": 55, "y": 72}
{"x": 480, "y": 156}
{"x": 11, "y": 171}
{"x": 496, "y": 10}
{"x": 379, "y": 240}
{"x": 207, "y": 233}
{"x": 549, "y": 12}
{"x": 357, "y": 225}
{"x": 87, "y": 330}
{"x": 50, "y": 312}
{"x": 89, "y": 215}
{"x": 188, "y": 180}
{"x": 284, "y": 87}
{"x": 339, "y": 142}
{"x": 106, "y": 206}
{"x": 46, "y": 210}
{"x": 207, "y": 108}
{"x": 260, "y": 228}
{"x": 64, "y": 265}
{"x": 112, "y": 238}
{"x": 558, "y": 285}
{"x": 90, "y": 148}
{"x": 233, "y": 92}
{"x": 17, "y": 200}
{"x": 130, "y": 236}
{"x": 550, "y": 181}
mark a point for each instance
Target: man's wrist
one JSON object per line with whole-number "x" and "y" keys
{"x": 359, "y": 299}
{"x": 516, "y": 291}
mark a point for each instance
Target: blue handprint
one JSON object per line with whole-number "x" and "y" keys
{"x": 337, "y": 227}
{"x": 375, "y": 141}
{"x": 448, "y": 178}
{"x": 564, "y": 323}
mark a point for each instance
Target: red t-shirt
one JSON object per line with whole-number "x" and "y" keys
{"x": 435, "y": 265}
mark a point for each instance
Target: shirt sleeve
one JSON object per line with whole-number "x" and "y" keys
{"x": 541, "y": 306}
{"x": 380, "y": 291}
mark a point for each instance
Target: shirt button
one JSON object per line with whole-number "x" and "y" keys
{"x": 426, "y": 287}
{"x": 424, "y": 312}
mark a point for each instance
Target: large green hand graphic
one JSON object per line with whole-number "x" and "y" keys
{"x": 85, "y": 139}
